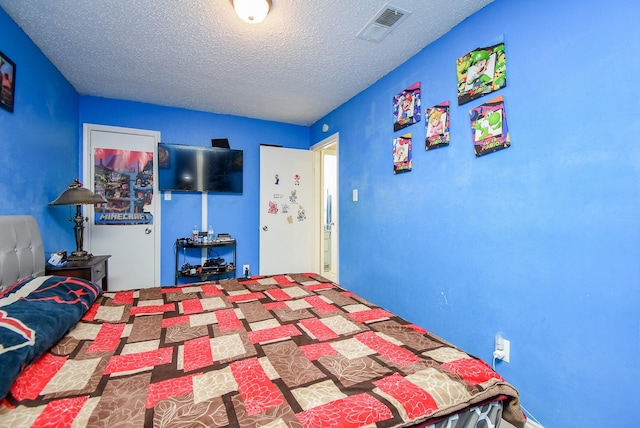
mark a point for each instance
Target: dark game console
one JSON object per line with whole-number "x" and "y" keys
{"x": 210, "y": 266}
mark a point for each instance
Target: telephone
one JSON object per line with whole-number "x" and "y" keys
{"x": 58, "y": 259}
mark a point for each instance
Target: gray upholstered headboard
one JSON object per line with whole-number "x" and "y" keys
{"x": 21, "y": 249}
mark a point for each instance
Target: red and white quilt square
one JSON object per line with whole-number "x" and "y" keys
{"x": 317, "y": 329}
{"x": 74, "y": 375}
{"x": 137, "y": 347}
{"x": 109, "y": 313}
{"x": 396, "y": 354}
{"x": 174, "y": 387}
{"x": 32, "y": 381}
{"x": 340, "y": 325}
{"x": 277, "y": 294}
{"x": 138, "y": 362}
{"x": 321, "y": 305}
{"x": 258, "y": 392}
{"x": 213, "y": 384}
{"x": 152, "y": 309}
{"x": 473, "y": 371}
{"x": 274, "y": 334}
{"x": 371, "y": 315}
{"x": 319, "y": 286}
{"x": 244, "y": 296}
{"x": 415, "y": 401}
{"x": 191, "y": 306}
{"x": 444, "y": 390}
{"x": 352, "y": 348}
{"x": 317, "y": 350}
{"x": 228, "y": 320}
{"x": 107, "y": 339}
{"x": 227, "y": 347}
{"x": 63, "y": 412}
{"x": 196, "y": 353}
{"x": 353, "y": 411}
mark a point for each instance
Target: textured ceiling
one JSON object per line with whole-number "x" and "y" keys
{"x": 299, "y": 64}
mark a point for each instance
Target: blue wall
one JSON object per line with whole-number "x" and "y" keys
{"x": 39, "y": 140}
{"x": 539, "y": 241}
{"x": 235, "y": 214}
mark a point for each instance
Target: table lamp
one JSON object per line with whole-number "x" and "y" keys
{"x": 77, "y": 195}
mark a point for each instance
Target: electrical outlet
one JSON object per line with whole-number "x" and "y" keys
{"x": 503, "y": 348}
{"x": 506, "y": 350}
{"x": 246, "y": 270}
{"x": 531, "y": 424}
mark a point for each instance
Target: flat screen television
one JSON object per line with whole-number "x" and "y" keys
{"x": 184, "y": 168}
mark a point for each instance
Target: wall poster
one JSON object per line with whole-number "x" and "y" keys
{"x": 406, "y": 107}
{"x": 125, "y": 179}
{"x": 8, "y": 73}
{"x": 402, "y": 154}
{"x": 481, "y": 72}
{"x": 437, "y": 118}
{"x": 489, "y": 126}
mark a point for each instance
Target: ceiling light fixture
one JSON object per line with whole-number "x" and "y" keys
{"x": 252, "y": 11}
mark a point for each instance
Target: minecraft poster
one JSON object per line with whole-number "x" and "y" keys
{"x": 489, "y": 126}
{"x": 406, "y": 107}
{"x": 125, "y": 179}
{"x": 481, "y": 72}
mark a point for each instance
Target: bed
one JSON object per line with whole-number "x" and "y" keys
{"x": 291, "y": 350}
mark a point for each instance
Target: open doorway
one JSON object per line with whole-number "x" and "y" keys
{"x": 327, "y": 163}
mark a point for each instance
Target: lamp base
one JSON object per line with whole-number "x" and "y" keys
{"x": 79, "y": 256}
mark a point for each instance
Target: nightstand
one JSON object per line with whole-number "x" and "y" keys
{"x": 94, "y": 270}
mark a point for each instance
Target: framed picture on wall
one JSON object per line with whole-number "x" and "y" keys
{"x": 8, "y": 71}
{"x": 402, "y": 156}
{"x": 437, "y": 118}
{"x": 481, "y": 72}
{"x": 406, "y": 107}
{"x": 489, "y": 126}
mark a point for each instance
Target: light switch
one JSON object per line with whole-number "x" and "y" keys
{"x": 355, "y": 195}
{"x": 167, "y": 195}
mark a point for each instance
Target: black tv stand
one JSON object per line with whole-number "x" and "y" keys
{"x": 203, "y": 273}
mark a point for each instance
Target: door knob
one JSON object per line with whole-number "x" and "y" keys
{"x": 147, "y": 230}
{"x": 265, "y": 228}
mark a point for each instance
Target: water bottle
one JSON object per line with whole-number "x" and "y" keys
{"x": 194, "y": 235}
{"x": 210, "y": 235}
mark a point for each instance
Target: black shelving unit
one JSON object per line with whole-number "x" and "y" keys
{"x": 183, "y": 245}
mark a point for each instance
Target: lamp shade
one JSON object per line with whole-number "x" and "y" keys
{"x": 75, "y": 194}
{"x": 252, "y": 11}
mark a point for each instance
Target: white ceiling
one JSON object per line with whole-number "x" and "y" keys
{"x": 299, "y": 64}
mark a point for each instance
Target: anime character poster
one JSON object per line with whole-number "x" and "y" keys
{"x": 402, "y": 154}
{"x": 489, "y": 126}
{"x": 437, "y": 118}
{"x": 481, "y": 72}
{"x": 125, "y": 179}
{"x": 406, "y": 107}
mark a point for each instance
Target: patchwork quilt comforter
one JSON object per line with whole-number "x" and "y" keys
{"x": 282, "y": 351}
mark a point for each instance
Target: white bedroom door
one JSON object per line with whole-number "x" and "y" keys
{"x": 288, "y": 242}
{"x": 119, "y": 163}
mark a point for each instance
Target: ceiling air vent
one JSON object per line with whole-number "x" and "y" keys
{"x": 387, "y": 18}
